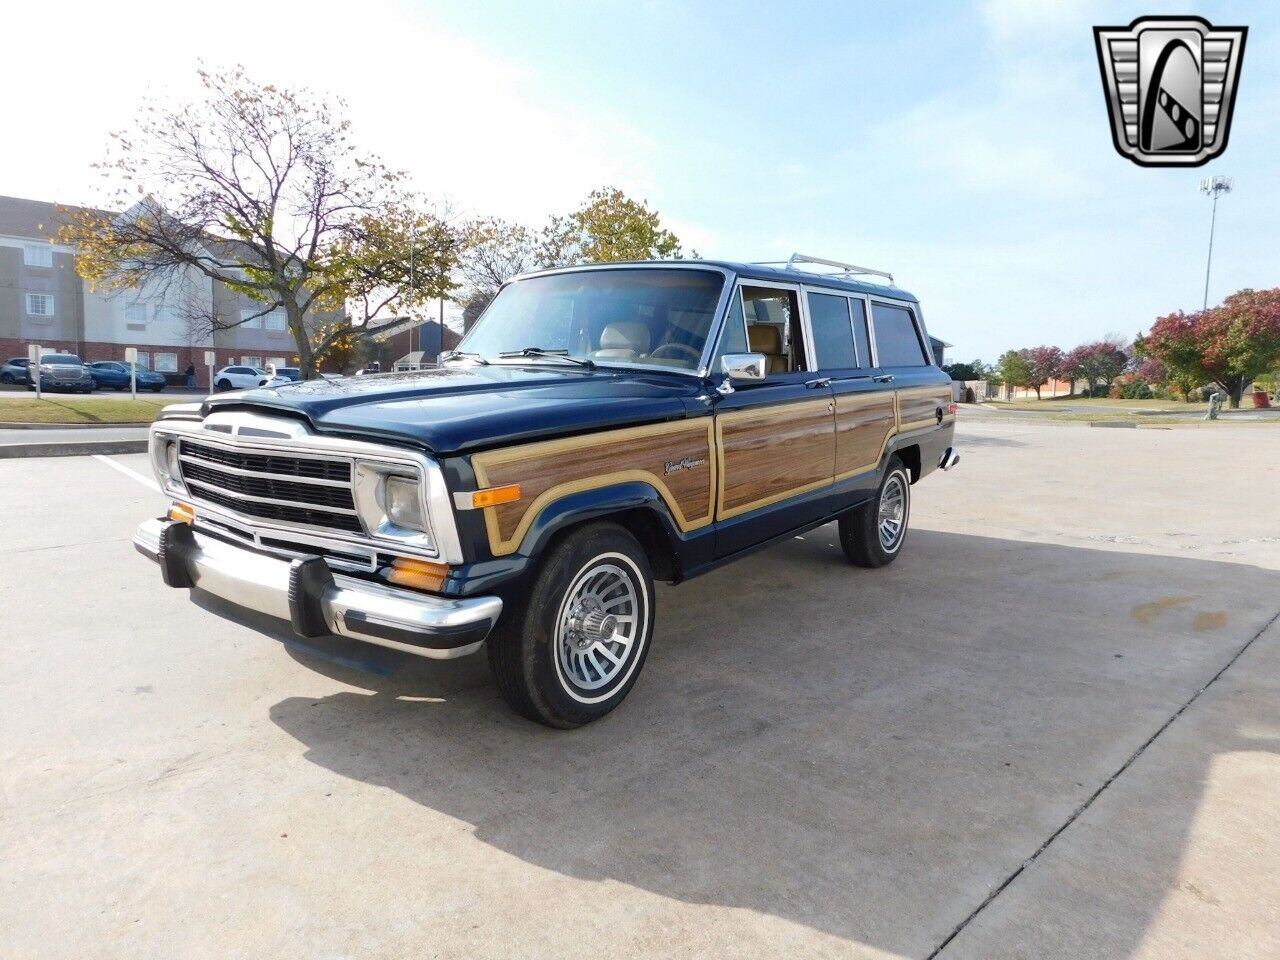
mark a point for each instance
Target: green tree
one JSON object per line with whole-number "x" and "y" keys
{"x": 261, "y": 189}
{"x": 1230, "y": 344}
{"x": 608, "y": 227}
{"x": 975, "y": 370}
{"x": 1013, "y": 369}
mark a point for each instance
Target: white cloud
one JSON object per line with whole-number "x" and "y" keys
{"x": 468, "y": 126}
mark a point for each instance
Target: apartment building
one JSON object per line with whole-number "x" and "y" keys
{"x": 44, "y": 301}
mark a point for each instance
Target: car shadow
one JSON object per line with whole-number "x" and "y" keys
{"x": 865, "y": 753}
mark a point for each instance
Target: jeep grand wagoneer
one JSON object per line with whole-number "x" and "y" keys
{"x": 600, "y": 427}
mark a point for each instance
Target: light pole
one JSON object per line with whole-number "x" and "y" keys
{"x": 1213, "y": 187}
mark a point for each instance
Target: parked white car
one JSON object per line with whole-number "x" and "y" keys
{"x": 237, "y": 378}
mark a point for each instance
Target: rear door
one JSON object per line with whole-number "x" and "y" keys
{"x": 902, "y": 354}
{"x": 864, "y": 406}
{"x": 775, "y": 438}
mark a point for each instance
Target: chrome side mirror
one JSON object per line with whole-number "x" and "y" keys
{"x": 744, "y": 366}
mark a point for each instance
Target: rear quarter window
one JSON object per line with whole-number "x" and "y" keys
{"x": 897, "y": 341}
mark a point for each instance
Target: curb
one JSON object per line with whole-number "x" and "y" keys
{"x": 70, "y": 448}
{"x": 5, "y": 425}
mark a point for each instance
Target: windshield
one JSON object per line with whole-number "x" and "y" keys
{"x": 659, "y": 317}
{"x": 60, "y": 358}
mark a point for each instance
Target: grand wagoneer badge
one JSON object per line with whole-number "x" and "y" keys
{"x": 685, "y": 463}
{"x": 1170, "y": 84}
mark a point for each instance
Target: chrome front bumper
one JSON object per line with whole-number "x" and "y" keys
{"x": 316, "y": 601}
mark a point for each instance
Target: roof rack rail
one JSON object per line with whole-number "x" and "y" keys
{"x": 846, "y": 270}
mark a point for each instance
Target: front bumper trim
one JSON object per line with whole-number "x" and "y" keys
{"x": 316, "y": 602}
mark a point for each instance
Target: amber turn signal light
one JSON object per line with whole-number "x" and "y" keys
{"x": 417, "y": 574}
{"x": 489, "y": 497}
{"x": 183, "y": 513}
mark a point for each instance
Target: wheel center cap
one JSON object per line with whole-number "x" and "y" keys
{"x": 590, "y": 624}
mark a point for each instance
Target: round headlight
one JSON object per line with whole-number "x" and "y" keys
{"x": 403, "y": 503}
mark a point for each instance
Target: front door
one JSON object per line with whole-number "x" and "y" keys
{"x": 775, "y": 439}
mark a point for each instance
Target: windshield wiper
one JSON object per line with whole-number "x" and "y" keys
{"x": 545, "y": 352}
{"x": 463, "y": 355}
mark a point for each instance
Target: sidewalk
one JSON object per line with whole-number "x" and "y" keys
{"x": 63, "y": 442}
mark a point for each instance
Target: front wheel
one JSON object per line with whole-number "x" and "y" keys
{"x": 872, "y": 534}
{"x": 573, "y": 650}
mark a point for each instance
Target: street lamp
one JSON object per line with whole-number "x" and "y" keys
{"x": 1213, "y": 187}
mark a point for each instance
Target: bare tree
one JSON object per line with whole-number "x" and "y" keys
{"x": 260, "y": 188}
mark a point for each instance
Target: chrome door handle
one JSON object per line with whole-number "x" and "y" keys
{"x": 884, "y": 378}
{"x": 820, "y": 382}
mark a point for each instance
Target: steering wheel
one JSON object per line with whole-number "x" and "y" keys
{"x": 679, "y": 349}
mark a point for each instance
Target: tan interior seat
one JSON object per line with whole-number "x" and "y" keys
{"x": 767, "y": 339}
{"x": 625, "y": 340}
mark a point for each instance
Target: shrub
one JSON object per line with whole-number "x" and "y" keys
{"x": 1136, "y": 390}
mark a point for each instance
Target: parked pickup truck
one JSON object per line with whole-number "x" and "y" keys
{"x": 600, "y": 428}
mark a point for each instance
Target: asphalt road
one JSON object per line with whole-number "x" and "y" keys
{"x": 1050, "y": 730}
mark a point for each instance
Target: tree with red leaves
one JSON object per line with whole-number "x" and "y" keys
{"x": 1230, "y": 344}
{"x": 1043, "y": 365}
{"x": 1102, "y": 360}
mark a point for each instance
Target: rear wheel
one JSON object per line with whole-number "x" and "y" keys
{"x": 224, "y": 384}
{"x": 573, "y": 650}
{"x": 872, "y": 534}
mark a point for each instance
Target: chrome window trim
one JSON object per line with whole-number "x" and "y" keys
{"x": 810, "y": 359}
{"x": 295, "y": 439}
{"x": 713, "y": 332}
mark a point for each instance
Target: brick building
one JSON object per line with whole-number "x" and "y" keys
{"x": 44, "y": 301}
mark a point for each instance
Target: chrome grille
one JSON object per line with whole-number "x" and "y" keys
{"x": 294, "y": 489}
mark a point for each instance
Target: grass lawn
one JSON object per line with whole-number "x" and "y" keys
{"x": 54, "y": 408}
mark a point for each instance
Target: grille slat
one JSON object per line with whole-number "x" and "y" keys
{"x": 295, "y": 489}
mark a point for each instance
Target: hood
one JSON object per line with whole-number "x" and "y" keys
{"x": 458, "y": 409}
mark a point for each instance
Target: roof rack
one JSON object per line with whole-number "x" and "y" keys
{"x": 846, "y": 270}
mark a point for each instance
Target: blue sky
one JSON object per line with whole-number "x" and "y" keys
{"x": 964, "y": 147}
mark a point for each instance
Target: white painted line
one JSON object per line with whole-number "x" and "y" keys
{"x": 134, "y": 474}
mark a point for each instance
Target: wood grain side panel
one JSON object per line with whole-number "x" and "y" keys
{"x": 769, "y": 454}
{"x": 864, "y": 424}
{"x": 552, "y": 469}
{"x": 918, "y": 405}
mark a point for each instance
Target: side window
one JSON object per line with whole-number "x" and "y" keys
{"x": 734, "y": 337}
{"x": 773, "y": 327}
{"x": 832, "y": 335}
{"x": 897, "y": 343}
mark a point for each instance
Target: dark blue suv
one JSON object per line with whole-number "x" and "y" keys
{"x": 115, "y": 375}
{"x": 599, "y": 428}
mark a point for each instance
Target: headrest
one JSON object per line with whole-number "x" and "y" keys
{"x": 625, "y": 335}
{"x": 764, "y": 338}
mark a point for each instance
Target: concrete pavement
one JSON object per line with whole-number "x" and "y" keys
{"x": 1009, "y": 743}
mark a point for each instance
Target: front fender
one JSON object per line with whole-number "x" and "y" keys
{"x": 575, "y": 508}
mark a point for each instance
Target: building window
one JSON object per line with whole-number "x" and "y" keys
{"x": 40, "y": 304}
{"x": 144, "y": 359}
{"x": 37, "y": 255}
{"x": 255, "y": 362}
{"x": 277, "y": 362}
{"x": 277, "y": 320}
{"x": 166, "y": 363}
{"x": 135, "y": 316}
{"x": 161, "y": 313}
{"x": 251, "y": 318}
